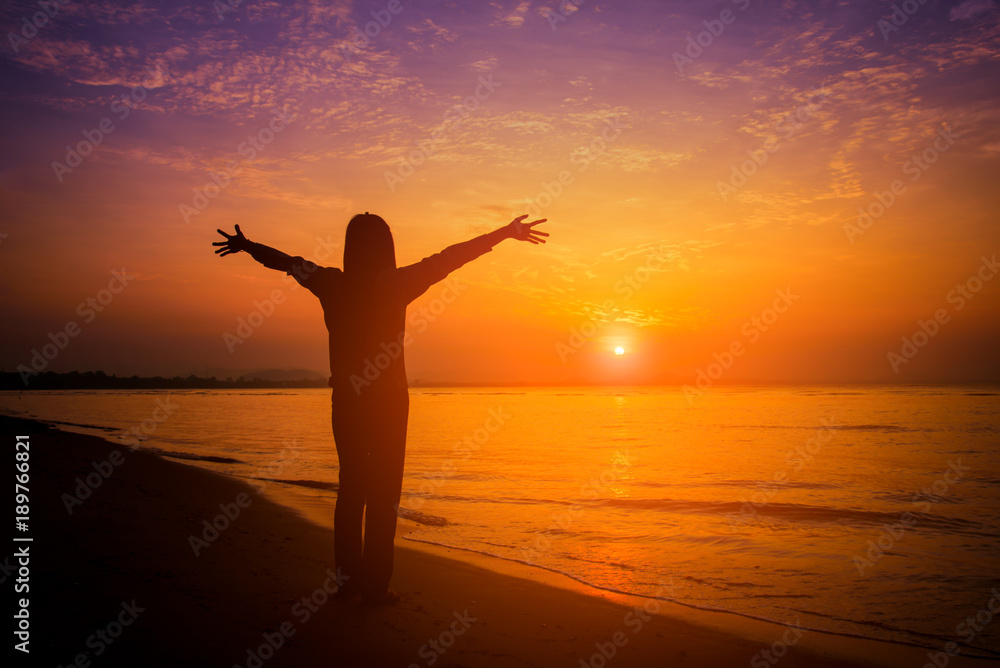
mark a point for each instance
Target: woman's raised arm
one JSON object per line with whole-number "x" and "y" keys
{"x": 267, "y": 256}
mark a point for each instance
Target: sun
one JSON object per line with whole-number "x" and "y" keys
{"x": 619, "y": 351}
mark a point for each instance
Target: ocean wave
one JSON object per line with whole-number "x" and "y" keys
{"x": 465, "y": 394}
{"x": 833, "y": 394}
{"x": 868, "y": 427}
{"x": 602, "y": 562}
{"x": 422, "y": 518}
{"x": 754, "y": 484}
{"x": 312, "y": 484}
{"x": 474, "y": 477}
{"x": 916, "y": 639}
{"x": 191, "y": 457}
{"x": 78, "y": 424}
{"x": 812, "y": 427}
{"x": 734, "y": 511}
{"x": 804, "y": 513}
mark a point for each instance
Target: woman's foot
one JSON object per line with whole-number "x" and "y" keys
{"x": 350, "y": 594}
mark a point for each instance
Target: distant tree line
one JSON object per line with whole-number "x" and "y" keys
{"x": 98, "y": 380}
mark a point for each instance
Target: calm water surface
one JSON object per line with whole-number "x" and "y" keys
{"x": 866, "y": 511}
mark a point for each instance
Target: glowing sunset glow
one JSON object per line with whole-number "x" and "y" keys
{"x": 807, "y": 188}
{"x": 752, "y": 373}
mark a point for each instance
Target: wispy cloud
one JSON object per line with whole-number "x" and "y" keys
{"x": 515, "y": 18}
{"x": 970, "y": 9}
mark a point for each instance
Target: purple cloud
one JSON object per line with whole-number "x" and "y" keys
{"x": 970, "y": 9}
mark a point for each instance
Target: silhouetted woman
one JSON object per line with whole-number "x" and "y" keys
{"x": 365, "y": 311}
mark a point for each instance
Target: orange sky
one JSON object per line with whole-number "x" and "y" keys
{"x": 659, "y": 243}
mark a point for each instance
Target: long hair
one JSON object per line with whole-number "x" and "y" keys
{"x": 368, "y": 247}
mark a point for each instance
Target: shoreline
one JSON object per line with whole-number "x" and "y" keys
{"x": 321, "y": 513}
{"x": 221, "y": 600}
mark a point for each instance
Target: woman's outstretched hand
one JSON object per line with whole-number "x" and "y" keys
{"x": 234, "y": 243}
{"x": 525, "y": 232}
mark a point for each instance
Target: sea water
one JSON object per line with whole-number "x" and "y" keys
{"x": 869, "y": 511}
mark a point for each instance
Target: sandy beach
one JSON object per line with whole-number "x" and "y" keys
{"x": 126, "y": 568}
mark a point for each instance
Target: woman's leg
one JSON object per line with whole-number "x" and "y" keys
{"x": 387, "y": 451}
{"x": 352, "y": 451}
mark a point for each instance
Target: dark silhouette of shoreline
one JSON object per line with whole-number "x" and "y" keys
{"x": 98, "y": 380}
